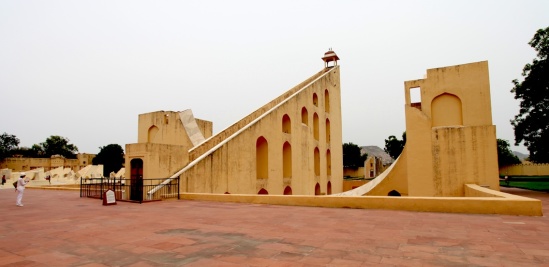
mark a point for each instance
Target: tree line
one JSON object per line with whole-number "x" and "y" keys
{"x": 110, "y": 156}
{"x": 394, "y": 146}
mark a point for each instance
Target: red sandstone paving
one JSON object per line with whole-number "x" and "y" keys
{"x": 58, "y": 228}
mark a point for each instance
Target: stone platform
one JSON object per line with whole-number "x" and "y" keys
{"x": 58, "y": 228}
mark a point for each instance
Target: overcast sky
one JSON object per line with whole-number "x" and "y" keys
{"x": 85, "y": 70}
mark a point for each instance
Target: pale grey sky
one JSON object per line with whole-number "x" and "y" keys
{"x": 84, "y": 70}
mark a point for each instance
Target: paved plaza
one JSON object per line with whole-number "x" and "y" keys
{"x": 58, "y": 228}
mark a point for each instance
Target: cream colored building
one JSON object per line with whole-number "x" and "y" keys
{"x": 450, "y": 142}
{"x": 291, "y": 145}
{"x": 525, "y": 169}
{"x": 26, "y": 164}
{"x": 373, "y": 166}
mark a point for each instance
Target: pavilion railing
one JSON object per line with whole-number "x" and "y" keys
{"x": 133, "y": 190}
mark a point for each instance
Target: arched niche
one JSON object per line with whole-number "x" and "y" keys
{"x": 326, "y": 101}
{"x": 446, "y": 110}
{"x": 262, "y": 158}
{"x": 153, "y": 130}
{"x": 287, "y": 160}
{"x": 286, "y": 124}
{"x": 328, "y": 162}
{"x": 304, "y": 116}
{"x": 287, "y": 190}
{"x": 262, "y": 192}
{"x": 316, "y": 126}
{"x": 328, "y": 133}
{"x": 317, "y": 161}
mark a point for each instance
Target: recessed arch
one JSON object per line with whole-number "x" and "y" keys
{"x": 328, "y": 130}
{"x": 286, "y": 124}
{"x": 317, "y": 161}
{"x": 287, "y": 160}
{"x": 262, "y": 158}
{"x": 328, "y": 162}
{"x": 304, "y": 116}
{"x": 317, "y": 189}
{"x": 316, "y": 126}
{"x": 287, "y": 190}
{"x": 393, "y": 193}
{"x": 262, "y": 192}
{"x": 326, "y": 101}
{"x": 329, "y": 188}
{"x": 153, "y": 130}
{"x": 315, "y": 100}
{"x": 446, "y": 110}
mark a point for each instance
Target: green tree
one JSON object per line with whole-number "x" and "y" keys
{"x": 505, "y": 155}
{"x": 531, "y": 125}
{"x": 57, "y": 145}
{"x": 352, "y": 157}
{"x": 112, "y": 158}
{"x": 393, "y": 146}
{"x": 26, "y": 152}
{"x": 8, "y": 143}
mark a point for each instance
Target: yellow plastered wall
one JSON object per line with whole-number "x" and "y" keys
{"x": 464, "y": 155}
{"x": 450, "y": 133}
{"x": 159, "y": 160}
{"x": 396, "y": 179}
{"x": 450, "y": 137}
{"x": 163, "y": 143}
{"x": 525, "y": 170}
{"x": 231, "y": 165}
{"x": 354, "y": 172}
{"x": 165, "y": 127}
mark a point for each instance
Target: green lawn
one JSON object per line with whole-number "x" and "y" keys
{"x": 542, "y": 183}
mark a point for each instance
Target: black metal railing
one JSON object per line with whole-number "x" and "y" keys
{"x": 134, "y": 190}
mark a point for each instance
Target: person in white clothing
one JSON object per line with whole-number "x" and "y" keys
{"x": 21, "y": 182}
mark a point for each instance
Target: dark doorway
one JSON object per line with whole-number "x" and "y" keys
{"x": 317, "y": 189}
{"x": 136, "y": 188}
{"x": 287, "y": 190}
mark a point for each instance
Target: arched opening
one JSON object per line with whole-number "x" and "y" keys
{"x": 136, "y": 179}
{"x": 287, "y": 190}
{"x": 328, "y": 163}
{"x": 393, "y": 193}
{"x": 327, "y": 131}
{"x": 315, "y": 100}
{"x": 152, "y": 133}
{"x": 315, "y": 126}
{"x": 286, "y": 124}
{"x": 304, "y": 116}
{"x": 317, "y": 189}
{"x": 326, "y": 101}
{"x": 317, "y": 161}
{"x": 262, "y": 158}
{"x": 287, "y": 160}
{"x": 262, "y": 192}
{"x": 329, "y": 188}
{"x": 227, "y": 193}
{"x": 446, "y": 110}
